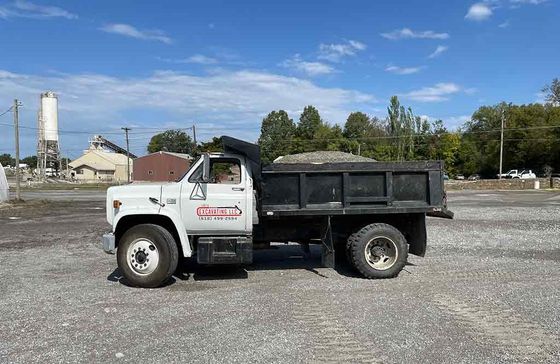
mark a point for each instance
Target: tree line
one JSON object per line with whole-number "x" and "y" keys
{"x": 402, "y": 135}
{"x": 531, "y": 136}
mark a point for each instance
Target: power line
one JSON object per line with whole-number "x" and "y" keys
{"x": 63, "y": 131}
{"x": 389, "y": 137}
{"x": 7, "y": 111}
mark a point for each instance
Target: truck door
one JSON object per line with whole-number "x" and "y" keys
{"x": 220, "y": 206}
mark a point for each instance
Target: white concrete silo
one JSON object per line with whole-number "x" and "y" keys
{"x": 48, "y": 149}
{"x": 49, "y": 115}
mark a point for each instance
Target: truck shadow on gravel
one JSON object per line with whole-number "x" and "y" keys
{"x": 116, "y": 276}
{"x": 278, "y": 258}
{"x": 283, "y": 257}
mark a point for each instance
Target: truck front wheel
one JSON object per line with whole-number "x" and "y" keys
{"x": 147, "y": 255}
{"x": 378, "y": 251}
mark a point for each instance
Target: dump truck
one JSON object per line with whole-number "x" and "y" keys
{"x": 227, "y": 205}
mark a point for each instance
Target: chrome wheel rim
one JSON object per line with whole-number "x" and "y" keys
{"x": 142, "y": 256}
{"x": 381, "y": 253}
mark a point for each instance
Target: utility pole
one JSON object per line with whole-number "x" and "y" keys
{"x": 67, "y": 171}
{"x": 194, "y": 150}
{"x": 16, "y": 132}
{"x": 126, "y": 130}
{"x": 194, "y": 133}
{"x": 501, "y": 144}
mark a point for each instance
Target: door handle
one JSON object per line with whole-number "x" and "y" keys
{"x": 238, "y": 189}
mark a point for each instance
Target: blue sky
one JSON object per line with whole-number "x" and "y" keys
{"x": 224, "y": 65}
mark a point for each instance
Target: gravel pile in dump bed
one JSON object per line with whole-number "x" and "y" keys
{"x": 321, "y": 157}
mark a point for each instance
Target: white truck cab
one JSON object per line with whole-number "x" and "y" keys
{"x": 214, "y": 195}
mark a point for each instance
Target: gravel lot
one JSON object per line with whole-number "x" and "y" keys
{"x": 487, "y": 292}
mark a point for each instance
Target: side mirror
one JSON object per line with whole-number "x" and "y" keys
{"x": 205, "y": 168}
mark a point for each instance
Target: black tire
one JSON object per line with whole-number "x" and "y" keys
{"x": 168, "y": 255}
{"x": 357, "y": 243}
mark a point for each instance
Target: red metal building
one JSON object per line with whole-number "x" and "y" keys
{"x": 161, "y": 166}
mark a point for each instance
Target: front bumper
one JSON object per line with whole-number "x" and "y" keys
{"x": 109, "y": 243}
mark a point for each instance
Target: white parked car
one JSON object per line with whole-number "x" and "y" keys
{"x": 521, "y": 174}
{"x": 509, "y": 174}
{"x": 526, "y": 174}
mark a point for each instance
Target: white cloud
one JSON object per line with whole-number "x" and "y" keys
{"x": 407, "y": 33}
{"x": 26, "y": 9}
{"x": 531, "y": 2}
{"x": 479, "y": 12}
{"x": 456, "y": 121}
{"x": 357, "y": 45}
{"x": 504, "y": 24}
{"x": 130, "y": 31}
{"x": 438, "y": 51}
{"x": 439, "y": 92}
{"x": 402, "y": 70}
{"x": 335, "y": 52}
{"x": 450, "y": 122}
{"x": 217, "y": 58}
{"x": 201, "y": 59}
{"x": 310, "y": 68}
{"x": 220, "y": 103}
{"x": 196, "y": 59}
{"x": 540, "y": 97}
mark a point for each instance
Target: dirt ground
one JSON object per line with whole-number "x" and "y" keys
{"x": 487, "y": 292}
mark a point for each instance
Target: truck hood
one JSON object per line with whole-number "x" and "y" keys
{"x": 133, "y": 198}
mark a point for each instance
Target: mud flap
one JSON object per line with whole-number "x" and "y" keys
{"x": 443, "y": 213}
{"x": 327, "y": 252}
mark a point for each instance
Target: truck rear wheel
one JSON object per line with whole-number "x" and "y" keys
{"x": 147, "y": 255}
{"x": 378, "y": 251}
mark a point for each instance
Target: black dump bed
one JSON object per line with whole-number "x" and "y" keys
{"x": 345, "y": 188}
{"x": 353, "y": 188}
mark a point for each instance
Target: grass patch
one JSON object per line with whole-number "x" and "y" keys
{"x": 67, "y": 187}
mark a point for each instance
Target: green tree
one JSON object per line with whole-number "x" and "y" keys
{"x": 401, "y": 125}
{"x": 309, "y": 123}
{"x": 552, "y": 92}
{"x": 365, "y": 136}
{"x": 481, "y": 141}
{"x": 64, "y": 162}
{"x": 443, "y": 145}
{"x": 31, "y": 161}
{"x": 173, "y": 141}
{"x": 277, "y": 133}
{"x": 531, "y": 139}
{"x": 212, "y": 146}
{"x": 7, "y": 160}
{"x": 329, "y": 138}
{"x": 357, "y": 126}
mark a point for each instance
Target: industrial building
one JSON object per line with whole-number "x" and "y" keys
{"x": 102, "y": 162}
{"x": 161, "y": 166}
{"x": 100, "y": 166}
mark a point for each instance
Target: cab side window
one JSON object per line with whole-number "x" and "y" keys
{"x": 222, "y": 171}
{"x": 225, "y": 171}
